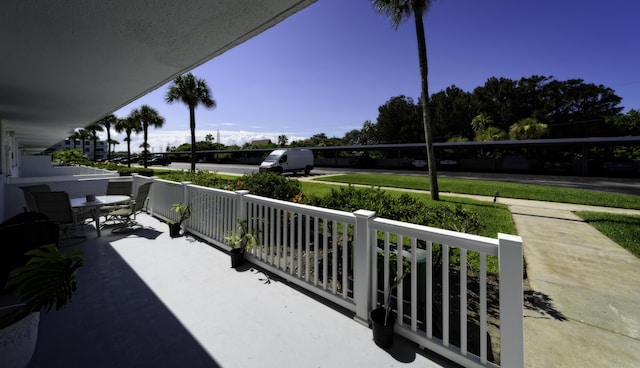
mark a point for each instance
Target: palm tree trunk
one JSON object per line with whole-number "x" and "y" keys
{"x": 428, "y": 135}
{"x": 128, "y": 150}
{"x": 144, "y": 148}
{"x": 108, "y": 142}
{"x": 192, "y": 126}
{"x": 95, "y": 146}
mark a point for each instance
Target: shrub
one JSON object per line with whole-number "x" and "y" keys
{"x": 127, "y": 171}
{"x": 70, "y": 157}
{"x": 200, "y": 177}
{"x": 268, "y": 184}
{"x": 402, "y": 208}
{"x": 454, "y": 218}
{"x": 107, "y": 166}
{"x": 373, "y": 199}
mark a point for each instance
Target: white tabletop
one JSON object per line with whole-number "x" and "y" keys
{"x": 100, "y": 201}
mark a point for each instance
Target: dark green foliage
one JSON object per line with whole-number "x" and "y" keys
{"x": 127, "y": 171}
{"x": 71, "y": 157}
{"x": 451, "y": 113}
{"x": 266, "y": 184}
{"x": 202, "y": 178}
{"x": 48, "y": 279}
{"x": 271, "y": 185}
{"x": 107, "y": 166}
{"x": 454, "y": 218}
{"x": 400, "y": 121}
{"x": 405, "y": 208}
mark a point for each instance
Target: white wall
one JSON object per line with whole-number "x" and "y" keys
{"x": 32, "y": 166}
{"x": 75, "y": 186}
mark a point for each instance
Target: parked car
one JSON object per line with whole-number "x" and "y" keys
{"x": 619, "y": 167}
{"x": 419, "y": 163}
{"x": 157, "y": 160}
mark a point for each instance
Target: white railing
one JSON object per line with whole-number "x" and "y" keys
{"x": 214, "y": 213}
{"x": 437, "y": 287}
{"x": 307, "y": 245}
{"x": 343, "y": 257}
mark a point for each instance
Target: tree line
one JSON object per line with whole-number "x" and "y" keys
{"x": 529, "y": 108}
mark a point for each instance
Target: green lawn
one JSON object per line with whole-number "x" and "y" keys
{"x": 488, "y": 188}
{"x": 623, "y": 229}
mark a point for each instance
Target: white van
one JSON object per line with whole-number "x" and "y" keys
{"x": 288, "y": 160}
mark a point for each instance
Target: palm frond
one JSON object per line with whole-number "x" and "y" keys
{"x": 48, "y": 279}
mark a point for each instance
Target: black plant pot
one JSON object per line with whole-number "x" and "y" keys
{"x": 237, "y": 257}
{"x": 382, "y": 334}
{"x": 174, "y": 230}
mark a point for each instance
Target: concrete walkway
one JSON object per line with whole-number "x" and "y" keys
{"x": 582, "y": 308}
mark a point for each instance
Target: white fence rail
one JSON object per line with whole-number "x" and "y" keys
{"x": 345, "y": 258}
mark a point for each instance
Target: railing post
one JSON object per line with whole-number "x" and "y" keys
{"x": 362, "y": 266}
{"x": 240, "y": 209}
{"x": 185, "y": 200}
{"x": 511, "y": 301}
{"x": 150, "y": 203}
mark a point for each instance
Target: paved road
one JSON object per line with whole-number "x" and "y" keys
{"x": 617, "y": 185}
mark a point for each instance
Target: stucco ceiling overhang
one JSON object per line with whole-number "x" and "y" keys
{"x": 67, "y": 63}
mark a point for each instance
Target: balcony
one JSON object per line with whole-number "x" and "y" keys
{"x": 145, "y": 299}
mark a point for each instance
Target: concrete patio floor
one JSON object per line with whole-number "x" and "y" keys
{"x": 146, "y": 300}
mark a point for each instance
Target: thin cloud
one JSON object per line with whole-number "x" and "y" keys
{"x": 159, "y": 140}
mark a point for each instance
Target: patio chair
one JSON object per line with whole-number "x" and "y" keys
{"x": 119, "y": 187}
{"x": 28, "y": 198}
{"x": 115, "y": 187}
{"x": 57, "y": 206}
{"x": 125, "y": 215}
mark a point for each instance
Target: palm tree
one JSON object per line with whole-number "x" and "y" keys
{"x": 92, "y": 130}
{"x": 192, "y": 92}
{"x": 112, "y": 143}
{"x": 397, "y": 11}
{"x": 128, "y": 125}
{"x": 106, "y": 122}
{"x": 282, "y": 140}
{"x": 83, "y": 135}
{"x": 147, "y": 116}
{"x": 74, "y": 137}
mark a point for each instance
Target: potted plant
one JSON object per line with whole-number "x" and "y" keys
{"x": 184, "y": 212}
{"x": 240, "y": 241}
{"x": 47, "y": 280}
{"x": 383, "y": 318}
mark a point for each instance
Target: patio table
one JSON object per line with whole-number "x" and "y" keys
{"x": 94, "y": 206}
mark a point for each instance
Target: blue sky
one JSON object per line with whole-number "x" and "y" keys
{"x": 329, "y": 67}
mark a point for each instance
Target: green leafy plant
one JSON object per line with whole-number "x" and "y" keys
{"x": 394, "y": 279}
{"x": 242, "y": 238}
{"x": 70, "y": 157}
{"x": 200, "y": 177}
{"x": 48, "y": 279}
{"x": 127, "y": 171}
{"x": 271, "y": 185}
{"x": 183, "y": 211}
